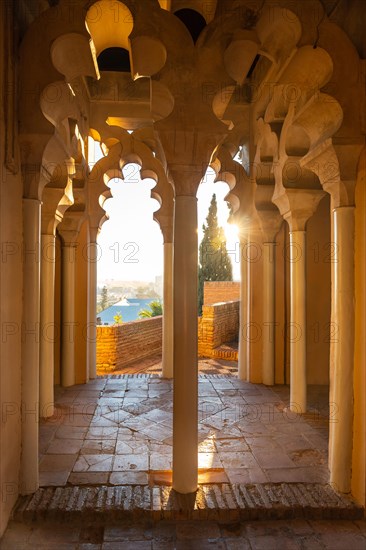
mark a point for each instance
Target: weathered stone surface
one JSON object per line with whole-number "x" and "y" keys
{"x": 218, "y": 501}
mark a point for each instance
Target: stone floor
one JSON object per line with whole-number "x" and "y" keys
{"x": 189, "y": 535}
{"x": 152, "y": 365}
{"x": 118, "y": 430}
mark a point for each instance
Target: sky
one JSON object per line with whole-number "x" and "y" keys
{"x": 131, "y": 243}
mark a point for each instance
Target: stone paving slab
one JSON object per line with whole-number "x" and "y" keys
{"x": 118, "y": 429}
{"x": 188, "y": 535}
{"x": 212, "y": 501}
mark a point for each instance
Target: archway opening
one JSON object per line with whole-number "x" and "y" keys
{"x": 193, "y": 20}
{"x": 115, "y": 59}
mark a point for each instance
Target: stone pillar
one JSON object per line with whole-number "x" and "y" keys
{"x": 297, "y": 257}
{"x": 185, "y": 409}
{"x": 297, "y": 206}
{"x": 46, "y": 367}
{"x": 167, "y": 358}
{"x": 342, "y": 344}
{"x": 271, "y": 222}
{"x": 30, "y": 346}
{"x": 269, "y": 313}
{"x": 92, "y": 258}
{"x": 253, "y": 333}
{"x": 243, "y": 312}
{"x": 68, "y": 314}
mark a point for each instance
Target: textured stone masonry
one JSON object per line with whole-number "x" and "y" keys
{"x": 219, "y": 324}
{"x": 119, "y": 346}
{"x": 220, "y": 291}
{"x": 212, "y": 501}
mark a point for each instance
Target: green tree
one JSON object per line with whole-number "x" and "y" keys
{"x": 156, "y": 308}
{"x": 214, "y": 259}
{"x": 118, "y": 318}
{"x": 104, "y": 300}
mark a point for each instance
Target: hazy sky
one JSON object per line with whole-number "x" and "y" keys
{"x": 131, "y": 244}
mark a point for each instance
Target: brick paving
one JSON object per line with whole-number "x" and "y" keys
{"x": 219, "y": 501}
{"x": 188, "y": 535}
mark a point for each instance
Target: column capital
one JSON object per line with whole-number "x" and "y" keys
{"x": 336, "y": 167}
{"x": 69, "y": 238}
{"x": 30, "y": 201}
{"x": 93, "y": 233}
{"x": 167, "y": 232}
{"x": 297, "y": 205}
{"x": 271, "y": 222}
{"x": 186, "y": 178}
{"x": 269, "y": 217}
{"x": 70, "y": 227}
{"x": 165, "y": 221}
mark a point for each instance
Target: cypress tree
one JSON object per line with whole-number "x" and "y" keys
{"x": 214, "y": 259}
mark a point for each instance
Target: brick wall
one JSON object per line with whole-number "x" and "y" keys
{"x": 119, "y": 346}
{"x": 219, "y": 324}
{"x": 220, "y": 291}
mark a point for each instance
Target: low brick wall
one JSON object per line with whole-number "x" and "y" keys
{"x": 220, "y": 291}
{"x": 219, "y": 324}
{"x": 119, "y": 346}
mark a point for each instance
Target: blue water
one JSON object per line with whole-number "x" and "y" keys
{"x": 129, "y": 313}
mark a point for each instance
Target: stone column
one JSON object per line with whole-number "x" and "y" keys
{"x": 243, "y": 312}
{"x": 92, "y": 258}
{"x": 30, "y": 346}
{"x": 253, "y": 333}
{"x": 68, "y": 314}
{"x": 185, "y": 409}
{"x": 297, "y": 258}
{"x": 270, "y": 221}
{"x": 269, "y": 313}
{"x": 167, "y": 359}
{"x": 341, "y": 398}
{"x": 46, "y": 367}
{"x": 297, "y": 206}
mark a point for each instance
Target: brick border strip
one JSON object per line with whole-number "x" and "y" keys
{"x": 225, "y": 502}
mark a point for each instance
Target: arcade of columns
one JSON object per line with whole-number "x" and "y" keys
{"x": 255, "y": 82}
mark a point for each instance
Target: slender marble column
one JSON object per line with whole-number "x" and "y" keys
{"x": 342, "y": 344}
{"x": 47, "y": 337}
{"x": 243, "y": 313}
{"x": 297, "y": 206}
{"x": 30, "y": 346}
{"x": 92, "y": 303}
{"x": 68, "y": 315}
{"x": 167, "y": 359}
{"x": 297, "y": 255}
{"x": 252, "y": 257}
{"x": 269, "y": 273}
{"x": 185, "y": 401}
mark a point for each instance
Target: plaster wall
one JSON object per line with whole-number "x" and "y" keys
{"x": 319, "y": 256}
{"x": 10, "y": 294}
{"x": 359, "y": 425}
